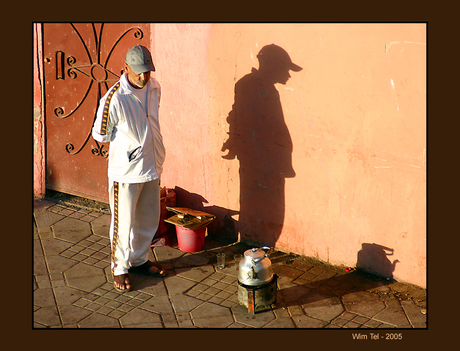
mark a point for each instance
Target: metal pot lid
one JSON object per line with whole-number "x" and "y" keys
{"x": 255, "y": 253}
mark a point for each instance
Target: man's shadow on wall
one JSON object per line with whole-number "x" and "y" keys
{"x": 260, "y": 140}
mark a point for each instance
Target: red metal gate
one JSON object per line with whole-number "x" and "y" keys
{"x": 82, "y": 61}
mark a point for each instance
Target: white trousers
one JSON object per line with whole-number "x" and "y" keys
{"x": 135, "y": 217}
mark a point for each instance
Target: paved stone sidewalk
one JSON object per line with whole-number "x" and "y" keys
{"x": 73, "y": 286}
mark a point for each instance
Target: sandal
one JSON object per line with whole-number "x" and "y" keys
{"x": 121, "y": 279}
{"x": 145, "y": 268}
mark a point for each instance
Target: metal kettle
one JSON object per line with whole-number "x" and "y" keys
{"x": 256, "y": 268}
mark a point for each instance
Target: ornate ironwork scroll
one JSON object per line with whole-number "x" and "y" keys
{"x": 97, "y": 72}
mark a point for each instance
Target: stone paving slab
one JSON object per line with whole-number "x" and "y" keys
{"x": 73, "y": 286}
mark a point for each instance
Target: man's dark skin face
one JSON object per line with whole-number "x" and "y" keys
{"x": 138, "y": 81}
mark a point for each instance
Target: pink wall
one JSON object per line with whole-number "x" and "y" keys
{"x": 39, "y": 124}
{"x": 180, "y": 55}
{"x": 357, "y": 122}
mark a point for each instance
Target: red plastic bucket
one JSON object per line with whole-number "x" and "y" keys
{"x": 190, "y": 240}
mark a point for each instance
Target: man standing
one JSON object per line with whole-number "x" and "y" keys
{"x": 128, "y": 118}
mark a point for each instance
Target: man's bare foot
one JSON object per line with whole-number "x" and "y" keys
{"x": 149, "y": 268}
{"x": 122, "y": 283}
{"x": 157, "y": 270}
